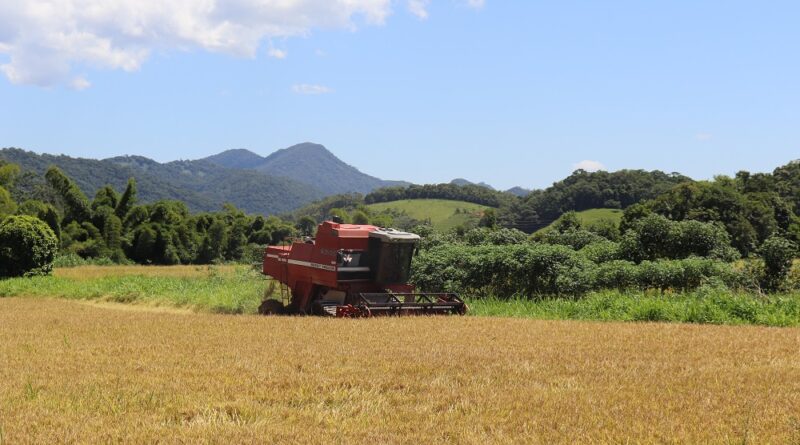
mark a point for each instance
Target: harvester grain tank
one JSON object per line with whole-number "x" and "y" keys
{"x": 352, "y": 270}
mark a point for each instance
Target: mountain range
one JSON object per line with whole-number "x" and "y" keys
{"x": 280, "y": 182}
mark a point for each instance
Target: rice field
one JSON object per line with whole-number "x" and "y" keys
{"x": 80, "y": 373}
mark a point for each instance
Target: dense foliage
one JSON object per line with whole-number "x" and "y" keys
{"x": 468, "y": 193}
{"x": 570, "y": 260}
{"x": 751, "y": 208}
{"x": 116, "y": 227}
{"x": 27, "y": 246}
{"x": 583, "y": 190}
{"x": 201, "y": 185}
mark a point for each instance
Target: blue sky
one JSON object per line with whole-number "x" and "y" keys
{"x": 506, "y": 92}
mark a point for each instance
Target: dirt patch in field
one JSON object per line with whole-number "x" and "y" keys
{"x": 135, "y": 307}
{"x": 85, "y": 374}
{"x": 92, "y": 272}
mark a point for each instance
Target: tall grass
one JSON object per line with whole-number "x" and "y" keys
{"x": 240, "y": 289}
{"x": 222, "y": 290}
{"x": 706, "y": 305}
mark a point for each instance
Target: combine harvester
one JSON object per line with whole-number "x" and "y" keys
{"x": 352, "y": 270}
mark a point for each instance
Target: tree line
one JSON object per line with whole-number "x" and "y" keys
{"x": 653, "y": 253}
{"x": 116, "y": 226}
{"x": 468, "y": 192}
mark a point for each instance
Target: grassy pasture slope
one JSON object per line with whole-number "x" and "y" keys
{"x": 594, "y": 215}
{"x": 442, "y": 212}
{"x": 77, "y": 373}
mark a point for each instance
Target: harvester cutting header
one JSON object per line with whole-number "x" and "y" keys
{"x": 351, "y": 270}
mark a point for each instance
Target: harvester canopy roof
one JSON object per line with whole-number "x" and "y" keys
{"x": 394, "y": 236}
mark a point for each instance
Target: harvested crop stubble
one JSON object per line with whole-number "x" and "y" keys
{"x": 77, "y": 373}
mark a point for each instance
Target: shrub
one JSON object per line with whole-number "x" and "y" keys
{"x": 27, "y": 246}
{"x": 606, "y": 228}
{"x": 794, "y": 276}
{"x": 601, "y": 251}
{"x": 577, "y": 239}
{"x": 497, "y": 237}
{"x": 567, "y": 222}
{"x": 548, "y": 270}
{"x": 617, "y": 274}
{"x": 778, "y": 253}
{"x": 656, "y": 237}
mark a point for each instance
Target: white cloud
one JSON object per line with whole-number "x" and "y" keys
{"x": 589, "y": 166}
{"x": 419, "y": 8}
{"x": 45, "y": 41}
{"x": 277, "y": 53}
{"x": 704, "y": 136}
{"x": 304, "y": 88}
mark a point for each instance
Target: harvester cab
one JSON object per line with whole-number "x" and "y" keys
{"x": 352, "y": 270}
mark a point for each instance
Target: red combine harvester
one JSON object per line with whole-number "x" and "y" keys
{"x": 352, "y": 270}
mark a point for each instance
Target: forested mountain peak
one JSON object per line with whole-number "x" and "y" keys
{"x": 236, "y": 158}
{"x": 133, "y": 161}
{"x": 518, "y": 191}
{"x": 302, "y": 149}
{"x": 307, "y": 162}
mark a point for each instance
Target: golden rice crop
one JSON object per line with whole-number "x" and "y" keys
{"x": 77, "y": 373}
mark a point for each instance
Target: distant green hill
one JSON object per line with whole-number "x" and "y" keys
{"x": 588, "y": 217}
{"x": 202, "y": 185}
{"x": 444, "y": 214}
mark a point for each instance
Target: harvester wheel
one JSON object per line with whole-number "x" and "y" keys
{"x": 271, "y": 307}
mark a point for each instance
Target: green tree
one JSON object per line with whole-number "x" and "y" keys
{"x": 107, "y": 197}
{"x": 216, "y": 239}
{"x": 341, "y": 214}
{"x": 7, "y": 205}
{"x": 136, "y": 216}
{"x": 631, "y": 215}
{"x": 27, "y": 246}
{"x": 489, "y": 219}
{"x": 307, "y": 226}
{"x": 112, "y": 235}
{"x": 144, "y": 243}
{"x": 778, "y": 254}
{"x": 127, "y": 201}
{"x": 8, "y": 172}
{"x": 236, "y": 242}
{"x": 43, "y": 211}
{"x": 75, "y": 202}
{"x": 568, "y": 221}
{"x": 360, "y": 217}
{"x": 382, "y": 220}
